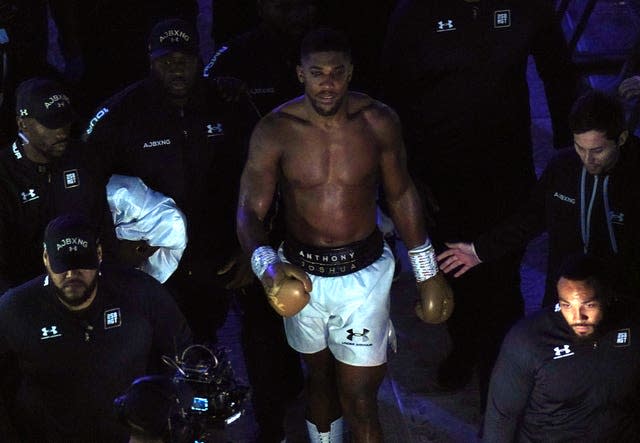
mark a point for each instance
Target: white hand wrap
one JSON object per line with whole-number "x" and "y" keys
{"x": 423, "y": 261}
{"x": 261, "y": 258}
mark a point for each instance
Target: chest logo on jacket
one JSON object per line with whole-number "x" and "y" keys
{"x": 623, "y": 338}
{"x": 562, "y": 352}
{"x": 445, "y": 25}
{"x": 214, "y": 130}
{"x": 112, "y": 318}
{"x": 71, "y": 178}
{"x": 156, "y": 143}
{"x": 564, "y": 198}
{"x": 502, "y": 18}
{"x": 29, "y": 195}
{"x": 50, "y": 332}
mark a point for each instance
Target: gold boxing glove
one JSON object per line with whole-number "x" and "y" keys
{"x": 289, "y": 298}
{"x": 436, "y": 300}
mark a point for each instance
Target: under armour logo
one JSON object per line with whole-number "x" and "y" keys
{"x": 51, "y": 332}
{"x": 561, "y": 352}
{"x": 174, "y": 39}
{"x": 24, "y": 113}
{"x": 445, "y": 25}
{"x": 73, "y": 248}
{"x": 28, "y": 195}
{"x": 362, "y": 335}
{"x": 214, "y": 129}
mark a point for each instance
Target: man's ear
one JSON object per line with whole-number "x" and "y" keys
{"x": 45, "y": 258}
{"x": 20, "y": 122}
{"x": 300, "y": 74}
{"x": 622, "y": 138}
{"x": 99, "y": 251}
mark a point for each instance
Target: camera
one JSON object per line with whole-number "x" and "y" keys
{"x": 217, "y": 400}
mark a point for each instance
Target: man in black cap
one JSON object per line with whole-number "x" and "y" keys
{"x": 80, "y": 334}
{"x": 42, "y": 174}
{"x": 174, "y": 130}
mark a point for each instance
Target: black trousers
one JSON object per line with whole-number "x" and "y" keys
{"x": 488, "y": 302}
{"x": 274, "y": 368}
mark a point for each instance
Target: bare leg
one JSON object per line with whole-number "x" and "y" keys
{"x": 323, "y": 404}
{"x": 358, "y": 388}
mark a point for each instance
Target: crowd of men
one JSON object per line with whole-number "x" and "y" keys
{"x": 281, "y": 171}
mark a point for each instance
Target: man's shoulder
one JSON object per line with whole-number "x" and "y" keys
{"x": 370, "y": 108}
{"x": 288, "y": 113}
{"x": 24, "y": 294}
{"x": 564, "y": 161}
{"x": 134, "y": 96}
{"x": 529, "y": 330}
{"x": 124, "y": 276}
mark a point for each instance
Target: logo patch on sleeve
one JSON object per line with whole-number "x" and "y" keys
{"x": 112, "y": 318}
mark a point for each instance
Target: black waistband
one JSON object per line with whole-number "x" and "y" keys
{"x": 334, "y": 262}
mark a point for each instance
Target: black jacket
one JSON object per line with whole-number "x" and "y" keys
{"x": 456, "y": 73}
{"x": 31, "y": 195}
{"x": 264, "y": 62}
{"x": 560, "y": 205}
{"x": 72, "y": 365}
{"x": 548, "y": 387}
{"x": 193, "y": 154}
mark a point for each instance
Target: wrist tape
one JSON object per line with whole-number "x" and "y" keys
{"x": 423, "y": 261}
{"x": 261, "y": 258}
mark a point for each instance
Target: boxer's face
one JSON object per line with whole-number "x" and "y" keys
{"x": 579, "y": 306}
{"x": 326, "y": 77}
{"x": 598, "y": 153}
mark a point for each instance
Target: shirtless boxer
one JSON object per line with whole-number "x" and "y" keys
{"x": 327, "y": 151}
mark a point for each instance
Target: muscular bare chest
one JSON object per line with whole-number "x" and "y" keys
{"x": 343, "y": 157}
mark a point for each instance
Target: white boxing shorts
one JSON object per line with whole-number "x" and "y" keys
{"x": 349, "y": 313}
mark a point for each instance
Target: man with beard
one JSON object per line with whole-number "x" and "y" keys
{"x": 174, "y": 130}
{"x": 328, "y": 151}
{"x": 42, "y": 174}
{"x": 569, "y": 373}
{"x": 79, "y": 335}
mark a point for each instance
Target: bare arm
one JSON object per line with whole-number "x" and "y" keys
{"x": 405, "y": 207}
{"x": 257, "y": 188}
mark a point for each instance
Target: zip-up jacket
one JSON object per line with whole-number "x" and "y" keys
{"x": 455, "y": 71}
{"x": 72, "y": 365}
{"x": 193, "y": 154}
{"x": 32, "y": 194}
{"x": 549, "y": 386}
{"x": 581, "y": 213}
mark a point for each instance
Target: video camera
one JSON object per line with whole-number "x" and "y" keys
{"x": 217, "y": 399}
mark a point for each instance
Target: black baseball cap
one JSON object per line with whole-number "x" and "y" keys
{"x": 174, "y": 34}
{"x": 71, "y": 242}
{"x": 46, "y": 101}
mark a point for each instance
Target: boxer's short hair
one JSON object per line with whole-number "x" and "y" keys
{"x": 325, "y": 40}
